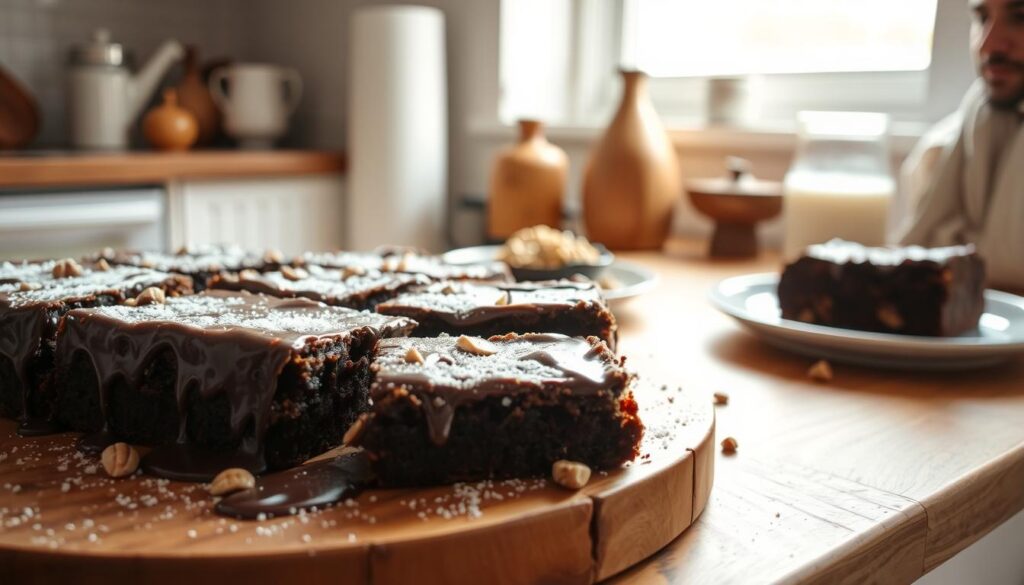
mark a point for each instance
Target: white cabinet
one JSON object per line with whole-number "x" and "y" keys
{"x": 290, "y": 214}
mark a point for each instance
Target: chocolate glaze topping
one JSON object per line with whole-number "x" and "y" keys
{"x": 432, "y": 267}
{"x": 470, "y": 303}
{"x": 330, "y": 286}
{"x": 528, "y": 363}
{"x": 32, "y": 302}
{"x": 314, "y": 484}
{"x": 194, "y": 260}
{"x": 842, "y": 252}
{"x": 231, "y": 344}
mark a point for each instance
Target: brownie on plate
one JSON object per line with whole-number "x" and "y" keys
{"x": 480, "y": 309}
{"x": 911, "y": 290}
{"x": 274, "y": 380}
{"x": 33, "y": 298}
{"x": 355, "y": 288}
{"x": 450, "y": 409}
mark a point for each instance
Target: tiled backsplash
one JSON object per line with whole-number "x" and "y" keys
{"x": 36, "y": 35}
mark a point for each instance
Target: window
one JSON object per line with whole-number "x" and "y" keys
{"x": 906, "y": 58}
{"x": 687, "y": 38}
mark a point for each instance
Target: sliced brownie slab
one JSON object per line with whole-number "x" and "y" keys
{"x": 355, "y": 288}
{"x": 403, "y": 261}
{"x": 450, "y": 409}
{"x": 201, "y": 263}
{"x": 227, "y": 379}
{"x": 483, "y": 310}
{"x": 33, "y": 298}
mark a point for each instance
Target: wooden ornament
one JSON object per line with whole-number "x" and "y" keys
{"x": 527, "y": 184}
{"x": 169, "y": 126}
{"x": 632, "y": 179}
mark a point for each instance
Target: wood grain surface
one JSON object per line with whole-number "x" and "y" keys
{"x": 154, "y": 167}
{"x": 877, "y": 476}
{"x": 62, "y": 519}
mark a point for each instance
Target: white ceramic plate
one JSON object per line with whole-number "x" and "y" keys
{"x": 752, "y": 301}
{"x": 635, "y": 279}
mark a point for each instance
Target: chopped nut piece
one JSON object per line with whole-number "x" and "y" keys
{"x": 120, "y": 460}
{"x": 889, "y": 316}
{"x": 232, "y": 480}
{"x": 129, "y": 303}
{"x": 66, "y": 268}
{"x": 475, "y": 345}
{"x": 293, "y": 273}
{"x": 102, "y": 265}
{"x": 273, "y": 257}
{"x": 249, "y": 274}
{"x": 27, "y": 286}
{"x": 413, "y": 356}
{"x": 182, "y": 251}
{"x": 151, "y": 296}
{"x": 721, "y": 398}
{"x": 351, "y": 271}
{"x": 355, "y": 430}
{"x": 821, "y": 371}
{"x": 570, "y": 474}
{"x": 729, "y": 445}
{"x": 448, "y": 289}
{"x": 503, "y": 299}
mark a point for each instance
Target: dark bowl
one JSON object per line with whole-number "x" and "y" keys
{"x": 591, "y": 271}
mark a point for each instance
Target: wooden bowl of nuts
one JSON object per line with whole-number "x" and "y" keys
{"x": 544, "y": 253}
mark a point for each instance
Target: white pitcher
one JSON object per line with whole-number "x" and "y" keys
{"x": 105, "y": 97}
{"x": 256, "y": 100}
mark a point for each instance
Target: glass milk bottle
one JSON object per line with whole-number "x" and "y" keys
{"x": 840, "y": 184}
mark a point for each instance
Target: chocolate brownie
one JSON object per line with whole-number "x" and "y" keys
{"x": 912, "y": 290}
{"x": 408, "y": 262}
{"x": 450, "y": 409}
{"x": 355, "y": 288}
{"x": 480, "y": 309}
{"x": 220, "y": 379}
{"x": 33, "y": 298}
{"x": 201, "y": 263}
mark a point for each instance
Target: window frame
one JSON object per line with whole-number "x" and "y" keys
{"x": 913, "y": 99}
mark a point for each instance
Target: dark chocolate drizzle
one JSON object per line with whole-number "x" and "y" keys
{"x": 330, "y": 286}
{"x": 409, "y": 262}
{"x": 37, "y": 427}
{"x": 29, "y": 318}
{"x": 525, "y": 363}
{"x": 312, "y": 485}
{"x": 467, "y": 304}
{"x": 231, "y": 344}
{"x": 185, "y": 462}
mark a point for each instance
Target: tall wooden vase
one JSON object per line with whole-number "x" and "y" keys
{"x": 527, "y": 183}
{"x": 632, "y": 180}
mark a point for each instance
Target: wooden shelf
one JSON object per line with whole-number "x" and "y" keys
{"x": 68, "y": 169}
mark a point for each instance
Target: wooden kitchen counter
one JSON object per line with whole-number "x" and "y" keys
{"x": 91, "y": 169}
{"x": 877, "y": 476}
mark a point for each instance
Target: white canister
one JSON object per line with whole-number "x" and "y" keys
{"x": 256, "y": 100}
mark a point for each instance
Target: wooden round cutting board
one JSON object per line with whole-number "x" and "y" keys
{"x": 62, "y": 519}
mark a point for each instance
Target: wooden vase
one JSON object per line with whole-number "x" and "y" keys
{"x": 527, "y": 184}
{"x": 194, "y": 96}
{"x": 632, "y": 179}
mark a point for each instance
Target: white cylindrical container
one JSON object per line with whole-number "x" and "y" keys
{"x": 840, "y": 184}
{"x": 397, "y": 128}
